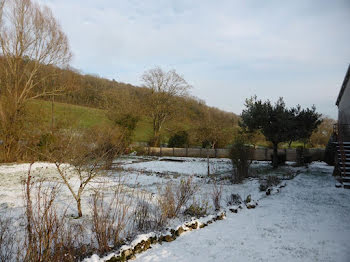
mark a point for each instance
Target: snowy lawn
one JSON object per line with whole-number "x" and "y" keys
{"x": 307, "y": 221}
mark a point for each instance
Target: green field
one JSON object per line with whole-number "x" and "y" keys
{"x": 79, "y": 117}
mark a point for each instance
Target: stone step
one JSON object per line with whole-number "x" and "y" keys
{"x": 347, "y": 186}
{"x": 344, "y": 143}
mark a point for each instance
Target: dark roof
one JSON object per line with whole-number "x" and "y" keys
{"x": 345, "y": 82}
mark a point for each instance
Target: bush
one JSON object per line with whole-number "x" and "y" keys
{"x": 7, "y": 240}
{"x": 269, "y": 182}
{"x": 241, "y": 157}
{"x": 109, "y": 218}
{"x": 173, "y": 197}
{"x": 144, "y": 215}
{"x": 197, "y": 209}
{"x": 216, "y": 196}
{"x": 330, "y": 152}
{"x": 233, "y": 200}
{"x": 180, "y": 139}
{"x": 281, "y": 159}
{"x": 48, "y": 235}
{"x": 303, "y": 158}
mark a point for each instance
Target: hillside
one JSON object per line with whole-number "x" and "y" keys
{"x": 89, "y": 99}
{"x": 80, "y": 117}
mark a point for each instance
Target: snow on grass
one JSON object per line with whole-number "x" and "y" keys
{"x": 189, "y": 166}
{"x": 307, "y": 221}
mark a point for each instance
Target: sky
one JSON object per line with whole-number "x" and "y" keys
{"x": 226, "y": 50}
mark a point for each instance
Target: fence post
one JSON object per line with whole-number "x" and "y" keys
{"x": 216, "y": 152}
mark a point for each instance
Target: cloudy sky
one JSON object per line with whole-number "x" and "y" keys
{"x": 227, "y": 50}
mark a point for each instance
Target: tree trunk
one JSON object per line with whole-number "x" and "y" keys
{"x": 275, "y": 155}
{"x": 208, "y": 162}
{"x": 80, "y": 213}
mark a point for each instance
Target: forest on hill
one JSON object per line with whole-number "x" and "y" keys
{"x": 87, "y": 101}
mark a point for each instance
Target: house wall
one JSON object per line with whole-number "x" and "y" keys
{"x": 344, "y": 106}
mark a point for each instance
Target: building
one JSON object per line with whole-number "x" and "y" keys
{"x": 343, "y": 133}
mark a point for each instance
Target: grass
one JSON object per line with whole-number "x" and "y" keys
{"x": 66, "y": 114}
{"x": 80, "y": 117}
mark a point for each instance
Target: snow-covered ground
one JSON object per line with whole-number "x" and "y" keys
{"x": 309, "y": 220}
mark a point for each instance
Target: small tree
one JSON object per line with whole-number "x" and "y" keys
{"x": 241, "y": 157}
{"x": 273, "y": 121}
{"x": 161, "y": 103}
{"x": 86, "y": 153}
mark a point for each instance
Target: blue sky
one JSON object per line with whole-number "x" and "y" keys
{"x": 227, "y": 50}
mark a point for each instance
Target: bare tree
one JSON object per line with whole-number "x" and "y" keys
{"x": 30, "y": 39}
{"x": 165, "y": 87}
{"x": 86, "y": 153}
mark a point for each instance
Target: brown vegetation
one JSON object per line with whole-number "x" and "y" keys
{"x": 30, "y": 38}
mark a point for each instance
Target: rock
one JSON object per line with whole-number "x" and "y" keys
{"x": 203, "y": 225}
{"x": 210, "y": 222}
{"x": 283, "y": 185}
{"x": 147, "y": 244}
{"x": 193, "y": 225}
{"x": 251, "y": 204}
{"x": 117, "y": 259}
{"x": 221, "y": 216}
{"x": 172, "y": 232}
{"x": 138, "y": 248}
{"x": 127, "y": 252}
{"x": 153, "y": 240}
{"x": 234, "y": 210}
{"x": 131, "y": 257}
{"x": 179, "y": 231}
{"x": 268, "y": 191}
{"x": 168, "y": 238}
{"x": 248, "y": 199}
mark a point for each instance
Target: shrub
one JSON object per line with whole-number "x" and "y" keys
{"x": 216, "y": 196}
{"x": 173, "y": 197}
{"x": 144, "y": 216}
{"x": 281, "y": 159}
{"x": 7, "y": 251}
{"x": 330, "y": 152}
{"x": 241, "y": 157}
{"x": 269, "y": 182}
{"x": 233, "y": 199}
{"x": 197, "y": 209}
{"x": 109, "y": 218}
{"x": 180, "y": 139}
{"x": 303, "y": 158}
{"x": 48, "y": 236}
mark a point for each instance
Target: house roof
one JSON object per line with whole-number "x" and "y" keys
{"x": 345, "y": 83}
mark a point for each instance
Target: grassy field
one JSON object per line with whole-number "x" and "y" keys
{"x": 80, "y": 117}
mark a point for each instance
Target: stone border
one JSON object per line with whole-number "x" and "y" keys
{"x": 128, "y": 253}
